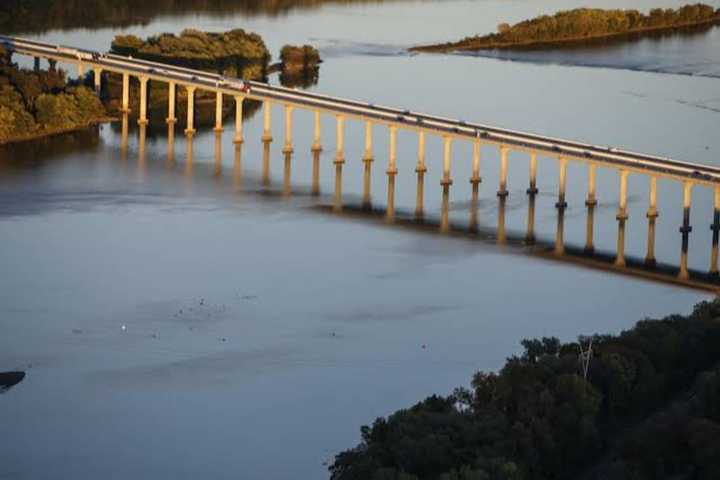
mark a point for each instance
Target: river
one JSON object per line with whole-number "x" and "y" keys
{"x": 180, "y": 319}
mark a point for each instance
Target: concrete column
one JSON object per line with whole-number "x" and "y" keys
{"x": 97, "y": 77}
{"x": 532, "y": 189}
{"x": 238, "y": 120}
{"x": 368, "y": 140}
{"x": 530, "y": 234}
{"x": 218, "y": 111}
{"x": 126, "y": 93}
{"x": 420, "y": 169}
{"x": 715, "y": 227}
{"x": 421, "y": 152}
{"x": 267, "y": 133}
{"x": 171, "y": 119}
{"x": 317, "y": 141}
{"x": 287, "y": 184}
{"x": 190, "y": 130}
{"x": 589, "y": 229}
{"x": 591, "y": 197}
{"x": 391, "y": 172}
{"x": 685, "y": 230}
{"x": 502, "y": 191}
{"x": 316, "y": 173}
{"x": 288, "y": 148}
{"x": 561, "y": 203}
{"x": 476, "y": 179}
{"x": 340, "y": 138}
{"x": 622, "y": 217}
{"x": 142, "y": 119}
{"x": 447, "y": 157}
{"x": 651, "y": 215}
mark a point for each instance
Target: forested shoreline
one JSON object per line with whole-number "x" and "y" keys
{"x": 582, "y": 24}
{"x": 40, "y": 103}
{"x": 644, "y": 404}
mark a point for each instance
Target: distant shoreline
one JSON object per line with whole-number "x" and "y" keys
{"x": 475, "y": 44}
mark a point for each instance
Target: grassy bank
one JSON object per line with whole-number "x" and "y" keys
{"x": 581, "y": 25}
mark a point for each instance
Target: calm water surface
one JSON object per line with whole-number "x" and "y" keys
{"x": 176, "y": 318}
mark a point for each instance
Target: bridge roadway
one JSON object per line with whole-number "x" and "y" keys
{"x": 393, "y": 117}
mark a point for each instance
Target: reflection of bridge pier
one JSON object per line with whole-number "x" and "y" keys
{"x": 367, "y": 160}
{"x": 446, "y": 182}
{"x": 237, "y": 167}
{"x": 420, "y": 170}
{"x": 652, "y": 215}
{"x": 715, "y": 227}
{"x": 622, "y": 217}
{"x": 502, "y": 190}
{"x": 218, "y": 154}
{"x": 339, "y": 161}
{"x": 266, "y": 163}
{"x": 171, "y": 145}
{"x": 287, "y": 173}
{"x": 530, "y": 232}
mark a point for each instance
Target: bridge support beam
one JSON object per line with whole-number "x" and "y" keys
{"x": 715, "y": 227}
{"x": 651, "y": 215}
{"x": 171, "y": 119}
{"x": 420, "y": 169}
{"x": 446, "y": 182}
{"x": 267, "y": 133}
{"x": 218, "y": 112}
{"x": 503, "y": 191}
{"x": 475, "y": 180}
{"x": 622, "y": 217}
{"x": 532, "y": 189}
{"x": 126, "y": 93}
{"x": 97, "y": 77}
{"x": 368, "y": 154}
{"x": 685, "y": 231}
{"x": 591, "y": 196}
{"x": 288, "y": 148}
{"x": 391, "y": 172}
{"x": 561, "y": 203}
{"x": 340, "y": 138}
{"x": 317, "y": 140}
{"x": 190, "y": 124}
{"x": 238, "y": 120}
{"x": 142, "y": 119}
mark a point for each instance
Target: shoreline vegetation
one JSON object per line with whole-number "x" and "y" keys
{"x": 642, "y": 405}
{"x": 41, "y": 103}
{"x": 581, "y": 25}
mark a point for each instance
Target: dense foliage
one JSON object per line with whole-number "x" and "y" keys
{"x": 305, "y": 56}
{"x": 650, "y": 408}
{"x": 38, "y": 102}
{"x": 583, "y": 23}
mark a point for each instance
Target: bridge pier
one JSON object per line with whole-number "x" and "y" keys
{"x": 288, "y": 148}
{"x": 171, "y": 119}
{"x": 622, "y": 217}
{"x": 190, "y": 130}
{"x": 391, "y": 172}
{"x": 317, "y": 141}
{"x": 476, "y": 179}
{"x": 267, "y": 133}
{"x": 142, "y": 119}
{"x": 97, "y": 77}
{"x": 532, "y": 189}
{"x": 218, "y": 111}
{"x": 715, "y": 227}
{"x": 368, "y": 155}
{"x": 502, "y": 191}
{"x": 446, "y": 182}
{"x": 171, "y": 145}
{"x": 685, "y": 231}
{"x": 651, "y": 215}
{"x": 238, "y": 120}
{"x": 561, "y": 203}
{"x": 420, "y": 169}
{"x": 126, "y": 93}
{"x": 591, "y": 197}
{"x": 340, "y": 138}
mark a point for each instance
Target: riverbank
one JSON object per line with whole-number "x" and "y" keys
{"x": 582, "y": 25}
{"x": 20, "y": 138}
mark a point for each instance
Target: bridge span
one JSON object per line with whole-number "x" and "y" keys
{"x": 450, "y": 130}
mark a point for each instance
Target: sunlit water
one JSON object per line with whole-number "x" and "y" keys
{"x": 180, "y": 320}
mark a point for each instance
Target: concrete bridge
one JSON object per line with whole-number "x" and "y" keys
{"x": 394, "y": 119}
